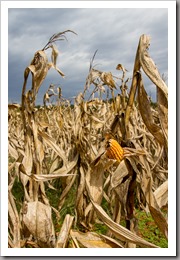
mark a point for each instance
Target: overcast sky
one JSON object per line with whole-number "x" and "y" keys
{"x": 114, "y": 32}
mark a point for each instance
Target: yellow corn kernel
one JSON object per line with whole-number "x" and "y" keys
{"x": 114, "y": 150}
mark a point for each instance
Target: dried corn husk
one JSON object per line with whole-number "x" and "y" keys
{"x": 37, "y": 221}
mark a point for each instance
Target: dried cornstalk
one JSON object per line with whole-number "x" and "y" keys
{"x": 30, "y": 161}
{"x": 143, "y": 60}
{"x": 63, "y": 236}
{"x": 62, "y": 141}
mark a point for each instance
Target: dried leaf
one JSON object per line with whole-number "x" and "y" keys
{"x": 14, "y": 222}
{"x": 146, "y": 113}
{"x": 67, "y": 189}
{"x": 38, "y": 222}
{"x": 146, "y": 183}
{"x": 161, "y": 194}
{"x": 49, "y": 177}
{"x": 119, "y": 174}
{"x": 93, "y": 240}
{"x": 149, "y": 66}
{"x": 39, "y": 68}
{"x": 63, "y": 236}
{"x": 119, "y": 231}
{"x": 107, "y": 79}
{"x": 163, "y": 113}
{"x": 49, "y": 140}
{"x": 12, "y": 151}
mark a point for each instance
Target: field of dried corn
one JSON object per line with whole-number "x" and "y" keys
{"x": 61, "y": 148}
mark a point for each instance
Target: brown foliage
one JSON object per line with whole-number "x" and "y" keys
{"x": 61, "y": 142}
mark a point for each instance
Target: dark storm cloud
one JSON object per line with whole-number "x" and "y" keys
{"x": 114, "y": 32}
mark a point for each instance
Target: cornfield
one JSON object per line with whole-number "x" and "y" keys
{"x": 111, "y": 152}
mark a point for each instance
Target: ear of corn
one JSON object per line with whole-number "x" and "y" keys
{"x": 114, "y": 150}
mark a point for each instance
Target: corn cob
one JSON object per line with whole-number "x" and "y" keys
{"x": 110, "y": 149}
{"x": 114, "y": 150}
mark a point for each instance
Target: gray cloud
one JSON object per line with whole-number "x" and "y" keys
{"x": 114, "y": 32}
